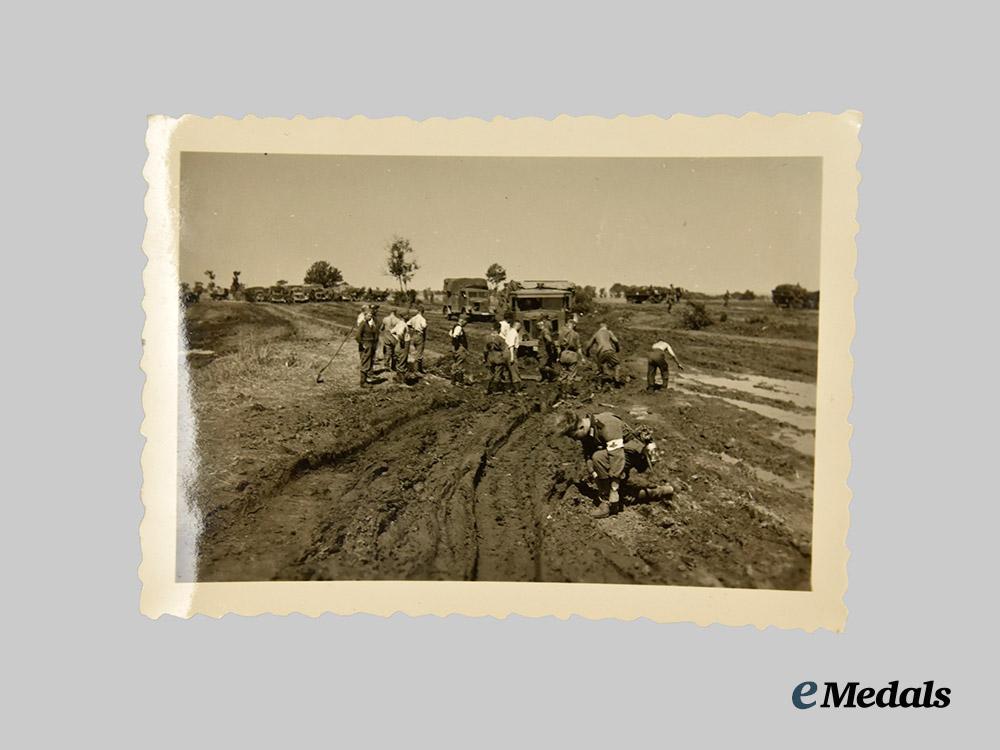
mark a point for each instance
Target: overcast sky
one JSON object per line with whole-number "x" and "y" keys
{"x": 704, "y": 224}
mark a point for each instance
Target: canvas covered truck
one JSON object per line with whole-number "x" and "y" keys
{"x": 468, "y": 296}
{"x": 534, "y": 298}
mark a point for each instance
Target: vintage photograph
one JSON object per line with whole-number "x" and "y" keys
{"x": 487, "y": 368}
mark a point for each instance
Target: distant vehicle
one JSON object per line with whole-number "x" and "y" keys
{"x": 321, "y": 295}
{"x": 646, "y": 294}
{"x": 469, "y": 296}
{"x": 255, "y": 294}
{"x": 528, "y": 303}
{"x": 219, "y": 293}
{"x": 311, "y": 290}
{"x": 277, "y": 294}
{"x": 298, "y": 294}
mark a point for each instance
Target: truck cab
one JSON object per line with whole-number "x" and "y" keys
{"x": 471, "y": 297}
{"x": 529, "y": 303}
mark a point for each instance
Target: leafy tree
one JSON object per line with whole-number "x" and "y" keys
{"x": 324, "y": 274}
{"x": 617, "y": 290}
{"x": 789, "y": 295}
{"x": 399, "y": 262}
{"x": 281, "y": 282}
{"x": 211, "y": 279}
{"x": 602, "y": 293}
{"x": 496, "y": 275}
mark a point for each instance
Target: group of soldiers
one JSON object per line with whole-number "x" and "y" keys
{"x": 614, "y": 452}
{"x": 398, "y": 341}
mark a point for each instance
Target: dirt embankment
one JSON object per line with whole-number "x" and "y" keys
{"x": 307, "y": 481}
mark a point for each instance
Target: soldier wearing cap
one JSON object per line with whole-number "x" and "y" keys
{"x": 610, "y": 454}
{"x": 367, "y": 338}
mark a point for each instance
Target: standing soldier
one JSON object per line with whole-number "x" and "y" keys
{"x": 367, "y": 337}
{"x": 658, "y": 362}
{"x": 495, "y": 357}
{"x": 361, "y": 315}
{"x": 389, "y": 322}
{"x": 418, "y": 327}
{"x": 513, "y": 339}
{"x": 569, "y": 357}
{"x": 398, "y": 341}
{"x": 608, "y": 346}
{"x": 544, "y": 334}
{"x": 460, "y": 348}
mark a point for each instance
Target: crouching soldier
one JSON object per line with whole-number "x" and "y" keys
{"x": 612, "y": 451}
{"x": 367, "y": 338}
{"x": 460, "y": 350}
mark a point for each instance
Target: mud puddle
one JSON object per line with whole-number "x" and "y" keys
{"x": 803, "y": 395}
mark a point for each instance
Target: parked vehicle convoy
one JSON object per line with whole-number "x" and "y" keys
{"x": 277, "y": 294}
{"x": 470, "y": 297}
{"x": 255, "y": 294}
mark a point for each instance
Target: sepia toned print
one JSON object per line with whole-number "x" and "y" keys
{"x": 581, "y": 366}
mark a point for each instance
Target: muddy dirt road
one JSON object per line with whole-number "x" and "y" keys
{"x": 298, "y": 480}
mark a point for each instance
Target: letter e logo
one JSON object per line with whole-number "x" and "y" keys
{"x": 803, "y": 690}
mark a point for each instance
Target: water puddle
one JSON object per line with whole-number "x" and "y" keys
{"x": 801, "y": 394}
{"x": 798, "y": 484}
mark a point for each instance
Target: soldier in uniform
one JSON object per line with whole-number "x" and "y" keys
{"x": 569, "y": 356}
{"x": 495, "y": 358}
{"x": 611, "y": 450}
{"x": 460, "y": 349}
{"x": 544, "y": 335}
{"x": 607, "y": 346}
{"x": 367, "y": 338}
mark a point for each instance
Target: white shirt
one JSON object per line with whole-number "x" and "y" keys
{"x": 361, "y": 317}
{"x": 664, "y": 346}
{"x": 398, "y": 329}
{"x": 456, "y": 331}
{"x": 512, "y": 337}
{"x": 504, "y": 328}
{"x": 418, "y": 323}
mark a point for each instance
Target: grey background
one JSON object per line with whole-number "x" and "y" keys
{"x": 81, "y": 665}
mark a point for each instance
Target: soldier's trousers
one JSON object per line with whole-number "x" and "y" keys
{"x": 497, "y": 372}
{"x": 657, "y": 363}
{"x": 458, "y": 365}
{"x": 417, "y": 353}
{"x": 366, "y": 352}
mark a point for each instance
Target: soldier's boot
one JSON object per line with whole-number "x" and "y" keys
{"x": 601, "y": 511}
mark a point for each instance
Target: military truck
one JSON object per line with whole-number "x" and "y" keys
{"x": 470, "y": 297}
{"x": 256, "y": 294}
{"x": 277, "y": 294}
{"x": 529, "y": 300}
{"x": 651, "y": 294}
{"x": 298, "y": 294}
